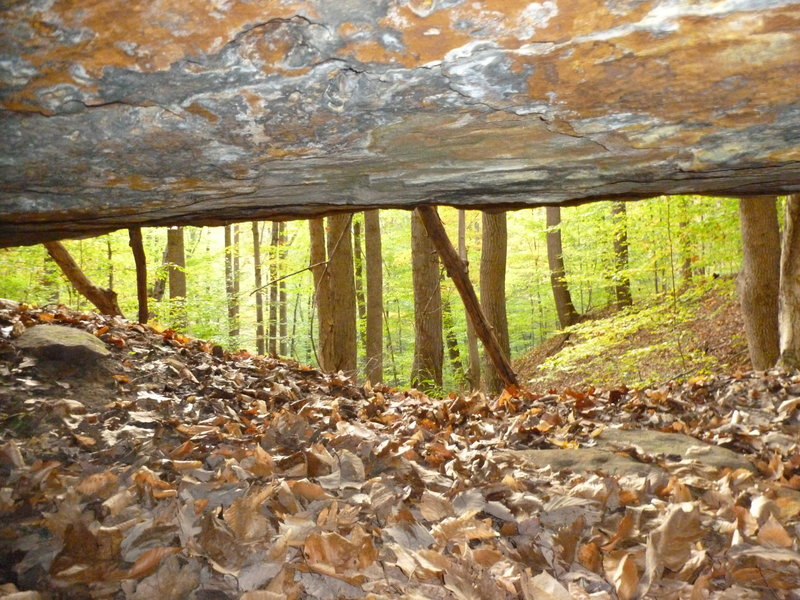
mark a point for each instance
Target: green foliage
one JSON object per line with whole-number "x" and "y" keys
{"x": 641, "y": 345}
{"x": 662, "y": 233}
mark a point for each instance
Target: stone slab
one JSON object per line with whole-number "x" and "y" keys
{"x": 61, "y": 343}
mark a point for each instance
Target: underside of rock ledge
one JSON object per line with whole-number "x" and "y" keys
{"x": 119, "y": 113}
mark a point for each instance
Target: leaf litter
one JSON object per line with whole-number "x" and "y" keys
{"x": 178, "y": 471}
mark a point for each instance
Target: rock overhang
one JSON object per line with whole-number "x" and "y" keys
{"x": 119, "y": 114}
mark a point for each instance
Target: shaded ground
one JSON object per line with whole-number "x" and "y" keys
{"x": 670, "y": 339}
{"x": 172, "y": 470}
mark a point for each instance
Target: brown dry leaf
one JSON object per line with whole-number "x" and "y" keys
{"x": 624, "y": 531}
{"x": 772, "y": 535}
{"x": 331, "y": 554}
{"x": 435, "y": 507}
{"x": 463, "y": 529}
{"x": 542, "y": 587}
{"x": 149, "y": 560}
{"x": 245, "y": 519}
{"x": 674, "y": 538}
{"x": 102, "y": 485}
{"x": 626, "y": 578}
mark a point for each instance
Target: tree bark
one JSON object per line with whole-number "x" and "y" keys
{"x": 789, "y": 304}
{"x": 283, "y": 321}
{"x": 140, "y": 260}
{"x": 275, "y": 236}
{"x": 232, "y": 280}
{"x": 426, "y": 371}
{"x": 451, "y": 341}
{"x": 622, "y": 283}
{"x": 176, "y": 259}
{"x": 759, "y": 278}
{"x": 260, "y": 346}
{"x": 473, "y": 372}
{"x": 493, "y": 289}
{"x": 104, "y": 300}
{"x": 322, "y": 293}
{"x": 374, "y": 270}
{"x": 361, "y": 300}
{"x": 567, "y": 315}
{"x": 343, "y": 293}
{"x": 457, "y": 269}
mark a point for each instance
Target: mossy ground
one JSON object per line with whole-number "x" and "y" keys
{"x": 671, "y": 338}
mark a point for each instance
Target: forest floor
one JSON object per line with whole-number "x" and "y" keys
{"x": 697, "y": 331}
{"x": 172, "y": 470}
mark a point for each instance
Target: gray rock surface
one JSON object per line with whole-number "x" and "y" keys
{"x": 611, "y": 456}
{"x": 120, "y": 113}
{"x": 75, "y": 347}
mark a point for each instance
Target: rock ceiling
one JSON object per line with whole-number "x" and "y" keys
{"x": 117, "y": 113}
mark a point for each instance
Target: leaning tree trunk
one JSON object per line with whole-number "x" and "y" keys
{"x": 140, "y": 260}
{"x": 759, "y": 278}
{"x": 426, "y": 372}
{"x": 789, "y": 311}
{"x": 104, "y": 300}
{"x": 457, "y": 269}
{"x": 374, "y": 269}
{"x": 493, "y": 289}
{"x": 343, "y": 293}
{"x": 567, "y": 315}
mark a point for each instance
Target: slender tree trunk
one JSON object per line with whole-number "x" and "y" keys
{"x": 426, "y": 371}
{"x": 260, "y": 346}
{"x": 322, "y": 293}
{"x": 473, "y": 373}
{"x": 361, "y": 301}
{"x": 273, "y": 288}
{"x": 789, "y": 315}
{"x": 176, "y": 258}
{"x": 457, "y": 270}
{"x": 687, "y": 268}
{"x": 343, "y": 293}
{"x": 232, "y": 282}
{"x": 567, "y": 315}
{"x": 493, "y": 289}
{"x": 104, "y": 300}
{"x": 283, "y": 321}
{"x": 451, "y": 340}
{"x": 759, "y": 278}
{"x": 110, "y": 263}
{"x": 140, "y": 260}
{"x": 622, "y": 283}
{"x": 374, "y": 269}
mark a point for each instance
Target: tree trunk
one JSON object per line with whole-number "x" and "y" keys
{"x": 567, "y": 315}
{"x": 176, "y": 259}
{"x": 283, "y": 321}
{"x": 473, "y": 372}
{"x": 140, "y": 260}
{"x": 273, "y": 287}
{"x": 457, "y": 270}
{"x": 759, "y": 278}
{"x": 343, "y": 293}
{"x": 104, "y": 300}
{"x": 426, "y": 371}
{"x": 789, "y": 312}
{"x": 374, "y": 269}
{"x": 361, "y": 301}
{"x": 232, "y": 281}
{"x": 622, "y": 283}
{"x": 493, "y": 289}
{"x": 322, "y": 293}
{"x": 451, "y": 341}
{"x": 260, "y": 346}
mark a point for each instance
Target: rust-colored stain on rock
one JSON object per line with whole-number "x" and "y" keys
{"x": 209, "y": 111}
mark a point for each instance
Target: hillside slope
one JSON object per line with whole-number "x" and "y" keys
{"x": 698, "y": 331}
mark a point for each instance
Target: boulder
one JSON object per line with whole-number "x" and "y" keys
{"x": 122, "y": 113}
{"x": 68, "y": 345}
